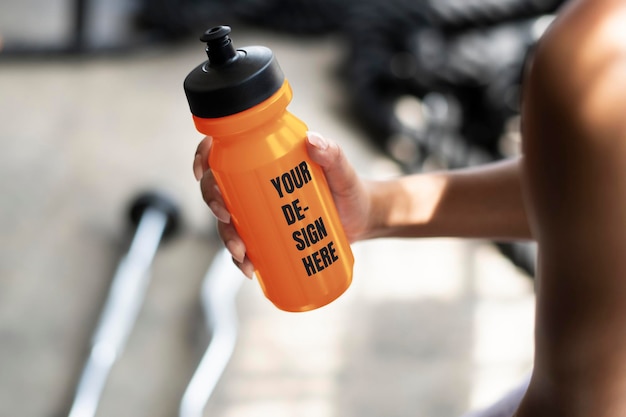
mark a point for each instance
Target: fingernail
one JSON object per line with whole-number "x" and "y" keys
{"x": 317, "y": 140}
{"x": 220, "y": 212}
{"x": 197, "y": 167}
{"x": 245, "y": 267}
{"x": 237, "y": 250}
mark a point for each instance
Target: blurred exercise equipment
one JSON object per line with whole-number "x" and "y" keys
{"x": 219, "y": 290}
{"x": 156, "y": 217}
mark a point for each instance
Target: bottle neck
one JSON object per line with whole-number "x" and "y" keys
{"x": 249, "y": 119}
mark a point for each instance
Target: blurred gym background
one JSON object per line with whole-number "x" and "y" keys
{"x": 93, "y": 116}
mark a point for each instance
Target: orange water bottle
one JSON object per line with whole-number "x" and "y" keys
{"x": 278, "y": 198}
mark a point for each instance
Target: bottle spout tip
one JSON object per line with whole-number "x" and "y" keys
{"x": 219, "y": 47}
{"x": 215, "y": 33}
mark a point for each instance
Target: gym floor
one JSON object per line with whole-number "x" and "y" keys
{"x": 430, "y": 327}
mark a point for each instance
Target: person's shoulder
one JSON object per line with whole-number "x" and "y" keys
{"x": 586, "y": 33}
{"x": 579, "y": 64}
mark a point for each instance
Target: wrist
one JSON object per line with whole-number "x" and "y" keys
{"x": 403, "y": 206}
{"x": 377, "y": 222}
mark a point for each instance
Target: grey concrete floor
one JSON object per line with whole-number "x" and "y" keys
{"x": 428, "y": 328}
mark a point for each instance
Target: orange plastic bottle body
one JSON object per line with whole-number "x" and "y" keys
{"x": 280, "y": 204}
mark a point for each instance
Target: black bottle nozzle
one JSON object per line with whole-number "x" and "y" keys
{"x": 232, "y": 80}
{"x": 219, "y": 47}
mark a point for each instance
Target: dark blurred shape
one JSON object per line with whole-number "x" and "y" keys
{"x": 470, "y": 52}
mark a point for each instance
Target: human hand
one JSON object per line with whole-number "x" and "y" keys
{"x": 350, "y": 193}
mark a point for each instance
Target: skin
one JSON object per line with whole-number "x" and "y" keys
{"x": 573, "y": 172}
{"x": 567, "y": 191}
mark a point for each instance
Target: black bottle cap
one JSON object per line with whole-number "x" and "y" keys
{"x": 231, "y": 80}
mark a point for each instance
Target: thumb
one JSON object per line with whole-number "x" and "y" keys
{"x": 340, "y": 174}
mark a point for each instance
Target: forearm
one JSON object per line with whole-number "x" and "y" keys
{"x": 482, "y": 202}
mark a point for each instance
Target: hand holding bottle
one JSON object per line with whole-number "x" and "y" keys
{"x": 349, "y": 192}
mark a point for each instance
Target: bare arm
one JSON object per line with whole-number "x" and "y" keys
{"x": 483, "y": 202}
{"x": 574, "y": 172}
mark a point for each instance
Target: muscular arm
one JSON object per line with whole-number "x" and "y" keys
{"x": 574, "y": 174}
